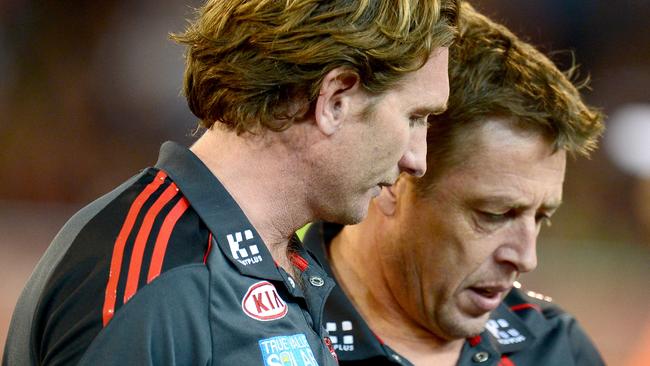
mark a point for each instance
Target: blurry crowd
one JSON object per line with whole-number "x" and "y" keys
{"x": 84, "y": 85}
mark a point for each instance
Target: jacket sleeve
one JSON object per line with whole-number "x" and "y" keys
{"x": 584, "y": 351}
{"x": 165, "y": 323}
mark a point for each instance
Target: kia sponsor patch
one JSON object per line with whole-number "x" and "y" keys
{"x": 262, "y": 302}
{"x": 291, "y": 350}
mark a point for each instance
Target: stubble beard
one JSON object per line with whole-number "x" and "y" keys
{"x": 456, "y": 326}
{"x": 345, "y": 212}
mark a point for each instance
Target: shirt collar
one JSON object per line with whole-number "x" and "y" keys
{"x": 232, "y": 231}
{"x": 506, "y": 331}
{"x": 513, "y": 327}
{"x": 317, "y": 239}
{"x": 527, "y": 313}
{"x": 350, "y": 335}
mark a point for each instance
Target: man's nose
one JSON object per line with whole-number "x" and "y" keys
{"x": 521, "y": 248}
{"x": 414, "y": 160}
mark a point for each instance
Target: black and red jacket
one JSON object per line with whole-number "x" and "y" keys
{"x": 167, "y": 270}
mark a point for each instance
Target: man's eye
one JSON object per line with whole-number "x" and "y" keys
{"x": 419, "y": 121}
{"x": 493, "y": 217}
{"x": 543, "y": 219}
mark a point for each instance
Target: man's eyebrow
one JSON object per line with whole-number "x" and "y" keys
{"x": 492, "y": 200}
{"x": 553, "y": 206}
{"x": 430, "y": 110}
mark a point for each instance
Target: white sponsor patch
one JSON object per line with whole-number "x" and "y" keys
{"x": 504, "y": 334}
{"x": 244, "y": 254}
{"x": 292, "y": 350}
{"x": 262, "y": 302}
{"x": 341, "y": 336}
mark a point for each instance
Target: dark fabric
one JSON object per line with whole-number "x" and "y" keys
{"x": 219, "y": 299}
{"x": 523, "y": 329}
{"x": 23, "y": 345}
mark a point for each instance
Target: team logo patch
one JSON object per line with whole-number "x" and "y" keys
{"x": 292, "y": 350}
{"x": 341, "y": 336}
{"x": 244, "y": 254}
{"x": 503, "y": 332}
{"x": 262, "y": 302}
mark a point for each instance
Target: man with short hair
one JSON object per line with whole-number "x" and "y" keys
{"x": 427, "y": 278}
{"x": 310, "y": 108}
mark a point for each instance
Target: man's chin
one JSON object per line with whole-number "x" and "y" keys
{"x": 466, "y": 326}
{"x": 358, "y": 211}
{"x": 351, "y": 216}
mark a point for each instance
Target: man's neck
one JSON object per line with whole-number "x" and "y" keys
{"x": 262, "y": 176}
{"x": 367, "y": 288}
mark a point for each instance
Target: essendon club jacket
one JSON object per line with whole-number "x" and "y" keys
{"x": 522, "y": 331}
{"x": 167, "y": 270}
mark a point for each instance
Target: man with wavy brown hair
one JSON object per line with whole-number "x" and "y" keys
{"x": 310, "y": 107}
{"x": 428, "y": 277}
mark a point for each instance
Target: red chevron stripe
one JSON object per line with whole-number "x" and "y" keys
{"x": 505, "y": 361}
{"x": 141, "y": 241}
{"x": 162, "y": 240}
{"x": 118, "y": 249}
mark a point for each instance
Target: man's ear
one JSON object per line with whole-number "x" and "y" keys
{"x": 386, "y": 202}
{"x": 334, "y": 103}
{"x": 389, "y": 197}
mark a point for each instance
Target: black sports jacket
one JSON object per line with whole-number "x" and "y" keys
{"x": 167, "y": 270}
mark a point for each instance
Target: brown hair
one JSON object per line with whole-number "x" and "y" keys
{"x": 249, "y": 62}
{"x": 494, "y": 74}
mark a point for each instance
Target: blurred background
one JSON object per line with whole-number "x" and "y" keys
{"x": 89, "y": 90}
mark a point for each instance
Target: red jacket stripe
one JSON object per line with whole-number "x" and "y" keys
{"x": 162, "y": 240}
{"x": 298, "y": 261}
{"x": 118, "y": 249}
{"x": 135, "y": 265}
{"x": 207, "y": 252}
{"x": 474, "y": 341}
{"x": 525, "y": 306}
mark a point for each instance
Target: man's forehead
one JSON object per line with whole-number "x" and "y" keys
{"x": 492, "y": 138}
{"x": 429, "y": 83}
{"x": 503, "y": 167}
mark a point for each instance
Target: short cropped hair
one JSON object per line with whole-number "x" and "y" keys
{"x": 495, "y": 74}
{"x": 249, "y": 61}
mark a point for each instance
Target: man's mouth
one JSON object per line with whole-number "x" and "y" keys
{"x": 487, "y": 298}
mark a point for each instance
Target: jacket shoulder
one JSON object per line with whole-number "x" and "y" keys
{"x": 554, "y": 328}
{"x": 104, "y": 256}
{"x": 520, "y": 298}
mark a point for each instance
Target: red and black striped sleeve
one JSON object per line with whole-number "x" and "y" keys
{"x": 144, "y": 231}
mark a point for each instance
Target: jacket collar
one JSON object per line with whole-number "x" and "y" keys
{"x": 232, "y": 231}
{"x": 506, "y": 331}
{"x": 513, "y": 327}
{"x": 350, "y": 335}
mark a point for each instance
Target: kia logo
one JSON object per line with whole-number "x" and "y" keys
{"x": 262, "y": 302}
